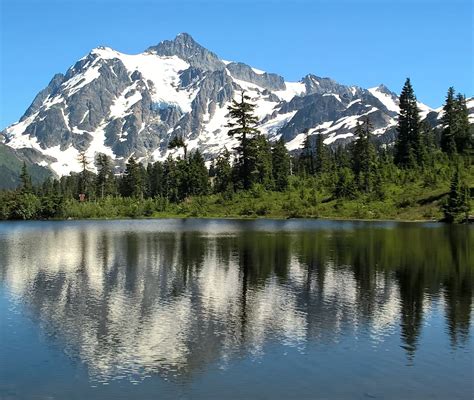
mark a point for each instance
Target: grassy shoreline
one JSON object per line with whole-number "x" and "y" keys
{"x": 413, "y": 202}
{"x": 210, "y": 207}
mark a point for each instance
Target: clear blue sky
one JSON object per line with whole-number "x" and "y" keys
{"x": 361, "y": 42}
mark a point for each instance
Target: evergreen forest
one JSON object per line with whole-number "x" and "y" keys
{"x": 426, "y": 174}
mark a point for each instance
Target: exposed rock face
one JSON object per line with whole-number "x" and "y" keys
{"x": 124, "y": 105}
{"x": 186, "y": 48}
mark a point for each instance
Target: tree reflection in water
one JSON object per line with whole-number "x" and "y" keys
{"x": 172, "y": 296}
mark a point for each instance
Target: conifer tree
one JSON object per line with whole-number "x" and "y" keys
{"x": 171, "y": 179}
{"x": 104, "y": 180}
{"x": 280, "y": 165}
{"x": 197, "y": 181}
{"x": 408, "y": 146}
{"x": 260, "y": 161}
{"x": 243, "y": 128}
{"x": 155, "y": 178}
{"x": 223, "y": 174}
{"x": 341, "y": 157}
{"x": 456, "y": 209}
{"x": 322, "y": 155}
{"x": 25, "y": 178}
{"x": 463, "y": 131}
{"x": 364, "y": 161}
{"x": 133, "y": 179}
{"x": 85, "y": 184}
{"x": 178, "y": 142}
{"x": 306, "y": 158}
{"x": 344, "y": 187}
{"x": 448, "y": 141}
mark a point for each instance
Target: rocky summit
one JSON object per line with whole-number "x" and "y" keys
{"x": 123, "y": 105}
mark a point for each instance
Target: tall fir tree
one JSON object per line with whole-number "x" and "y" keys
{"x": 155, "y": 178}
{"x": 344, "y": 187}
{"x": 178, "y": 142}
{"x": 364, "y": 158}
{"x": 243, "y": 128}
{"x": 448, "y": 141}
{"x": 306, "y": 157}
{"x": 456, "y": 208}
{"x": 322, "y": 155}
{"x": 408, "y": 146}
{"x": 463, "y": 133}
{"x": 171, "y": 179}
{"x": 25, "y": 178}
{"x": 198, "y": 175}
{"x": 280, "y": 165}
{"x": 260, "y": 161}
{"x": 223, "y": 174}
{"x": 133, "y": 180}
{"x": 86, "y": 178}
{"x": 105, "y": 179}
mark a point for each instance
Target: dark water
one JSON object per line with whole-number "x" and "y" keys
{"x": 235, "y": 309}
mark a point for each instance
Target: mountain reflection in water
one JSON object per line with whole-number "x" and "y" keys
{"x": 135, "y": 298}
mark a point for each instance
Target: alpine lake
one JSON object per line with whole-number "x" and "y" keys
{"x": 236, "y": 309}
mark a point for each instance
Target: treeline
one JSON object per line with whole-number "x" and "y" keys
{"x": 363, "y": 170}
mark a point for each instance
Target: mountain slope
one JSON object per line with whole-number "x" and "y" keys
{"x": 11, "y": 162}
{"x": 124, "y": 105}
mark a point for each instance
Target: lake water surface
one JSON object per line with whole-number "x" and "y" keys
{"x": 222, "y": 309}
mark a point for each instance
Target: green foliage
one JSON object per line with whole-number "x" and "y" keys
{"x": 260, "y": 162}
{"x": 456, "y": 208}
{"x": 409, "y": 150}
{"x": 456, "y": 136}
{"x": 105, "y": 184}
{"x": 359, "y": 180}
{"x": 11, "y": 163}
{"x": 364, "y": 159}
{"x": 345, "y": 185}
{"x": 133, "y": 184}
{"x": 223, "y": 174}
{"x": 178, "y": 142}
{"x": 26, "y": 184}
{"x": 280, "y": 165}
{"x": 243, "y": 128}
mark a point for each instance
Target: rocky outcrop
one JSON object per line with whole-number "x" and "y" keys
{"x": 125, "y": 105}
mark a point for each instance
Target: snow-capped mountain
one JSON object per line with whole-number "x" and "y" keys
{"x": 124, "y": 105}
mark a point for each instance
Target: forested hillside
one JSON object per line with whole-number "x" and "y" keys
{"x": 426, "y": 174}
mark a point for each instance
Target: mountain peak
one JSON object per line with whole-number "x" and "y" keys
{"x": 185, "y": 37}
{"x": 384, "y": 89}
{"x": 185, "y": 47}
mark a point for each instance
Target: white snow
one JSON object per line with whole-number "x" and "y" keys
{"x": 78, "y": 81}
{"x": 333, "y": 138}
{"x": 263, "y": 107}
{"x": 258, "y": 71}
{"x": 15, "y": 133}
{"x": 271, "y": 127}
{"x": 162, "y": 71}
{"x": 470, "y": 106}
{"x": 296, "y": 142}
{"x": 292, "y": 89}
{"x": 385, "y": 99}
{"x": 50, "y": 101}
{"x": 67, "y": 160}
{"x": 84, "y": 117}
{"x": 334, "y": 95}
{"x": 124, "y": 102}
{"x": 424, "y": 109}
{"x": 354, "y": 102}
{"x": 98, "y": 145}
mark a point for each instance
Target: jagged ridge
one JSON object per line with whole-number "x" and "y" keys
{"x": 124, "y": 105}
